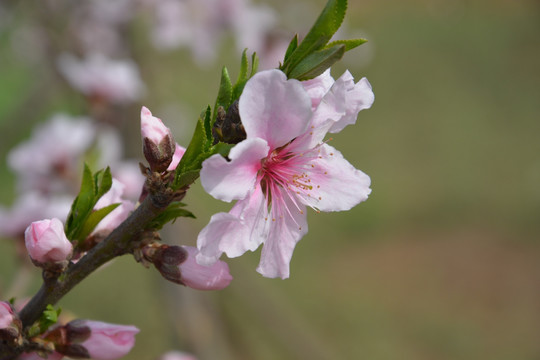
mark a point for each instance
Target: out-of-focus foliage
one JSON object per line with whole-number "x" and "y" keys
{"x": 440, "y": 263}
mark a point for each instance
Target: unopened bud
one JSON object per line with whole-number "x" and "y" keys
{"x": 177, "y": 264}
{"x": 158, "y": 143}
{"x": 10, "y": 325}
{"x": 46, "y": 241}
{"x": 108, "y": 341}
{"x": 228, "y": 127}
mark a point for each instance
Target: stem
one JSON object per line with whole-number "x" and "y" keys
{"x": 119, "y": 242}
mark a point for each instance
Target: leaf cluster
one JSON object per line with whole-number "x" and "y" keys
{"x": 315, "y": 54}
{"x": 82, "y": 218}
{"x": 202, "y": 144}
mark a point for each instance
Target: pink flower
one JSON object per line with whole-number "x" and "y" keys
{"x": 6, "y": 315}
{"x": 158, "y": 144}
{"x": 32, "y": 206}
{"x": 109, "y": 341}
{"x": 117, "y": 81}
{"x": 46, "y": 241}
{"x": 214, "y": 277}
{"x": 282, "y": 167}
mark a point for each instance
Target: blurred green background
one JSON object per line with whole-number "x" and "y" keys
{"x": 442, "y": 261}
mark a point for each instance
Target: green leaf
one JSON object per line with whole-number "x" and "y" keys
{"x": 225, "y": 93}
{"x": 93, "y": 219}
{"x": 103, "y": 181}
{"x": 243, "y": 76}
{"x": 316, "y": 63}
{"x": 189, "y": 162}
{"x": 173, "y": 211}
{"x": 254, "y": 64}
{"x": 82, "y": 204}
{"x": 322, "y": 31}
{"x": 48, "y": 317}
{"x": 244, "y": 65}
{"x": 349, "y": 44}
{"x": 292, "y": 46}
{"x": 208, "y": 125}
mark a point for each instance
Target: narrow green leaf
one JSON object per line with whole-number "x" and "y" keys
{"x": 317, "y": 63}
{"x": 103, "y": 182}
{"x": 208, "y": 125}
{"x": 244, "y": 65}
{"x": 92, "y": 220}
{"x": 254, "y": 64}
{"x": 349, "y": 44}
{"x": 172, "y": 212}
{"x": 318, "y": 36}
{"x": 225, "y": 93}
{"x": 292, "y": 46}
{"x": 82, "y": 204}
{"x": 189, "y": 161}
{"x": 242, "y": 80}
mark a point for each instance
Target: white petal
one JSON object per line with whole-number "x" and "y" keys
{"x": 289, "y": 225}
{"x": 274, "y": 108}
{"x": 357, "y": 97}
{"x": 243, "y": 228}
{"x": 336, "y": 184}
{"x": 230, "y": 180}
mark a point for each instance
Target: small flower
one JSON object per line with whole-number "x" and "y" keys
{"x": 282, "y": 167}
{"x": 46, "y": 241}
{"x": 158, "y": 144}
{"x": 108, "y": 341}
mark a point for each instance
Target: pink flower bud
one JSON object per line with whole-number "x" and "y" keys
{"x": 109, "y": 341}
{"x": 214, "y": 277}
{"x": 10, "y": 325}
{"x": 177, "y": 264}
{"x": 6, "y": 315}
{"x": 158, "y": 143}
{"x": 46, "y": 241}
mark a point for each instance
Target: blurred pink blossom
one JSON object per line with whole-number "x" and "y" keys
{"x": 118, "y": 215}
{"x": 282, "y": 167}
{"x": 200, "y": 24}
{"x": 46, "y": 241}
{"x": 32, "y": 206}
{"x": 50, "y": 160}
{"x": 117, "y": 81}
